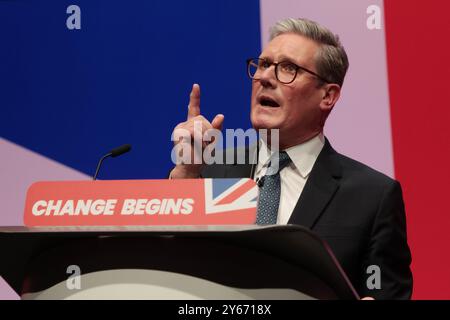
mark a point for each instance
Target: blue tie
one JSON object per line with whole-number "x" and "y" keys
{"x": 270, "y": 190}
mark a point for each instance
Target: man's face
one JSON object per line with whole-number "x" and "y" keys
{"x": 296, "y": 111}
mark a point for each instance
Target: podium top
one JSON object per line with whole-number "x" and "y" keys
{"x": 134, "y": 229}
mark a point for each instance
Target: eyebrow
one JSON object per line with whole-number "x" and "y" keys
{"x": 282, "y": 58}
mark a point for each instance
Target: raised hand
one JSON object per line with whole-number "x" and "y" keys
{"x": 194, "y": 126}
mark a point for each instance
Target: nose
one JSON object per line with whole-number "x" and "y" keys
{"x": 268, "y": 78}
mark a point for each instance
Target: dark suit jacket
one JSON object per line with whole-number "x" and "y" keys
{"x": 359, "y": 212}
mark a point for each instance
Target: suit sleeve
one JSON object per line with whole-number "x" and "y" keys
{"x": 388, "y": 248}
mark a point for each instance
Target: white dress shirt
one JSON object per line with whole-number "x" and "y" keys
{"x": 294, "y": 176}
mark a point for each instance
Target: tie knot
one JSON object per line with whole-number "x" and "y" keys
{"x": 282, "y": 159}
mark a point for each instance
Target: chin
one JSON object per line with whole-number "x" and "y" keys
{"x": 259, "y": 122}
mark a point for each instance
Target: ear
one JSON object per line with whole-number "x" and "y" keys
{"x": 331, "y": 94}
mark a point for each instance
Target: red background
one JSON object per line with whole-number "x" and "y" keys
{"x": 418, "y": 51}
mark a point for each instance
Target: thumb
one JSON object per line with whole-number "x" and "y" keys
{"x": 218, "y": 121}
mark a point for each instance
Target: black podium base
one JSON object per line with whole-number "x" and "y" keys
{"x": 245, "y": 262}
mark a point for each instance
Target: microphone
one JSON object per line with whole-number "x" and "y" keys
{"x": 113, "y": 153}
{"x": 120, "y": 150}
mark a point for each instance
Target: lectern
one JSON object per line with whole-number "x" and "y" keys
{"x": 173, "y": 262}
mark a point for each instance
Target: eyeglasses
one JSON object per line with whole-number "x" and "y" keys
{"x": 285, "y": 71}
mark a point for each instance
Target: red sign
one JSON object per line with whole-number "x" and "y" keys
{"x": 141, "y": 202}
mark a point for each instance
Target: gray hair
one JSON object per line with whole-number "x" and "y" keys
{"x": 331, "y": 60}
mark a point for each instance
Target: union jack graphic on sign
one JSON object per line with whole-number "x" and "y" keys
{"x": 222, "y": 195}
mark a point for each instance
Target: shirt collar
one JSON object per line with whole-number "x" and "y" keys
{"x": 303, "y": 155}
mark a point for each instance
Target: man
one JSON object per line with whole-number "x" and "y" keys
{"x": 297, "y": 81}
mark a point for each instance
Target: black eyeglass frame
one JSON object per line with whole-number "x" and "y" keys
{"x": 276, "y": 64}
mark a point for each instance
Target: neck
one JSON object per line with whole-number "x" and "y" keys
{"x": 286, "y": 143}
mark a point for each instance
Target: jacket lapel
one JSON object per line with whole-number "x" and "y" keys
{"x": 320, "y": 188}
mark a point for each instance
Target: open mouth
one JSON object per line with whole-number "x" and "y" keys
{"x": 268, "y": 102}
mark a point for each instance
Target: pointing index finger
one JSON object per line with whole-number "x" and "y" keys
{"x": 194, "y": 102}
